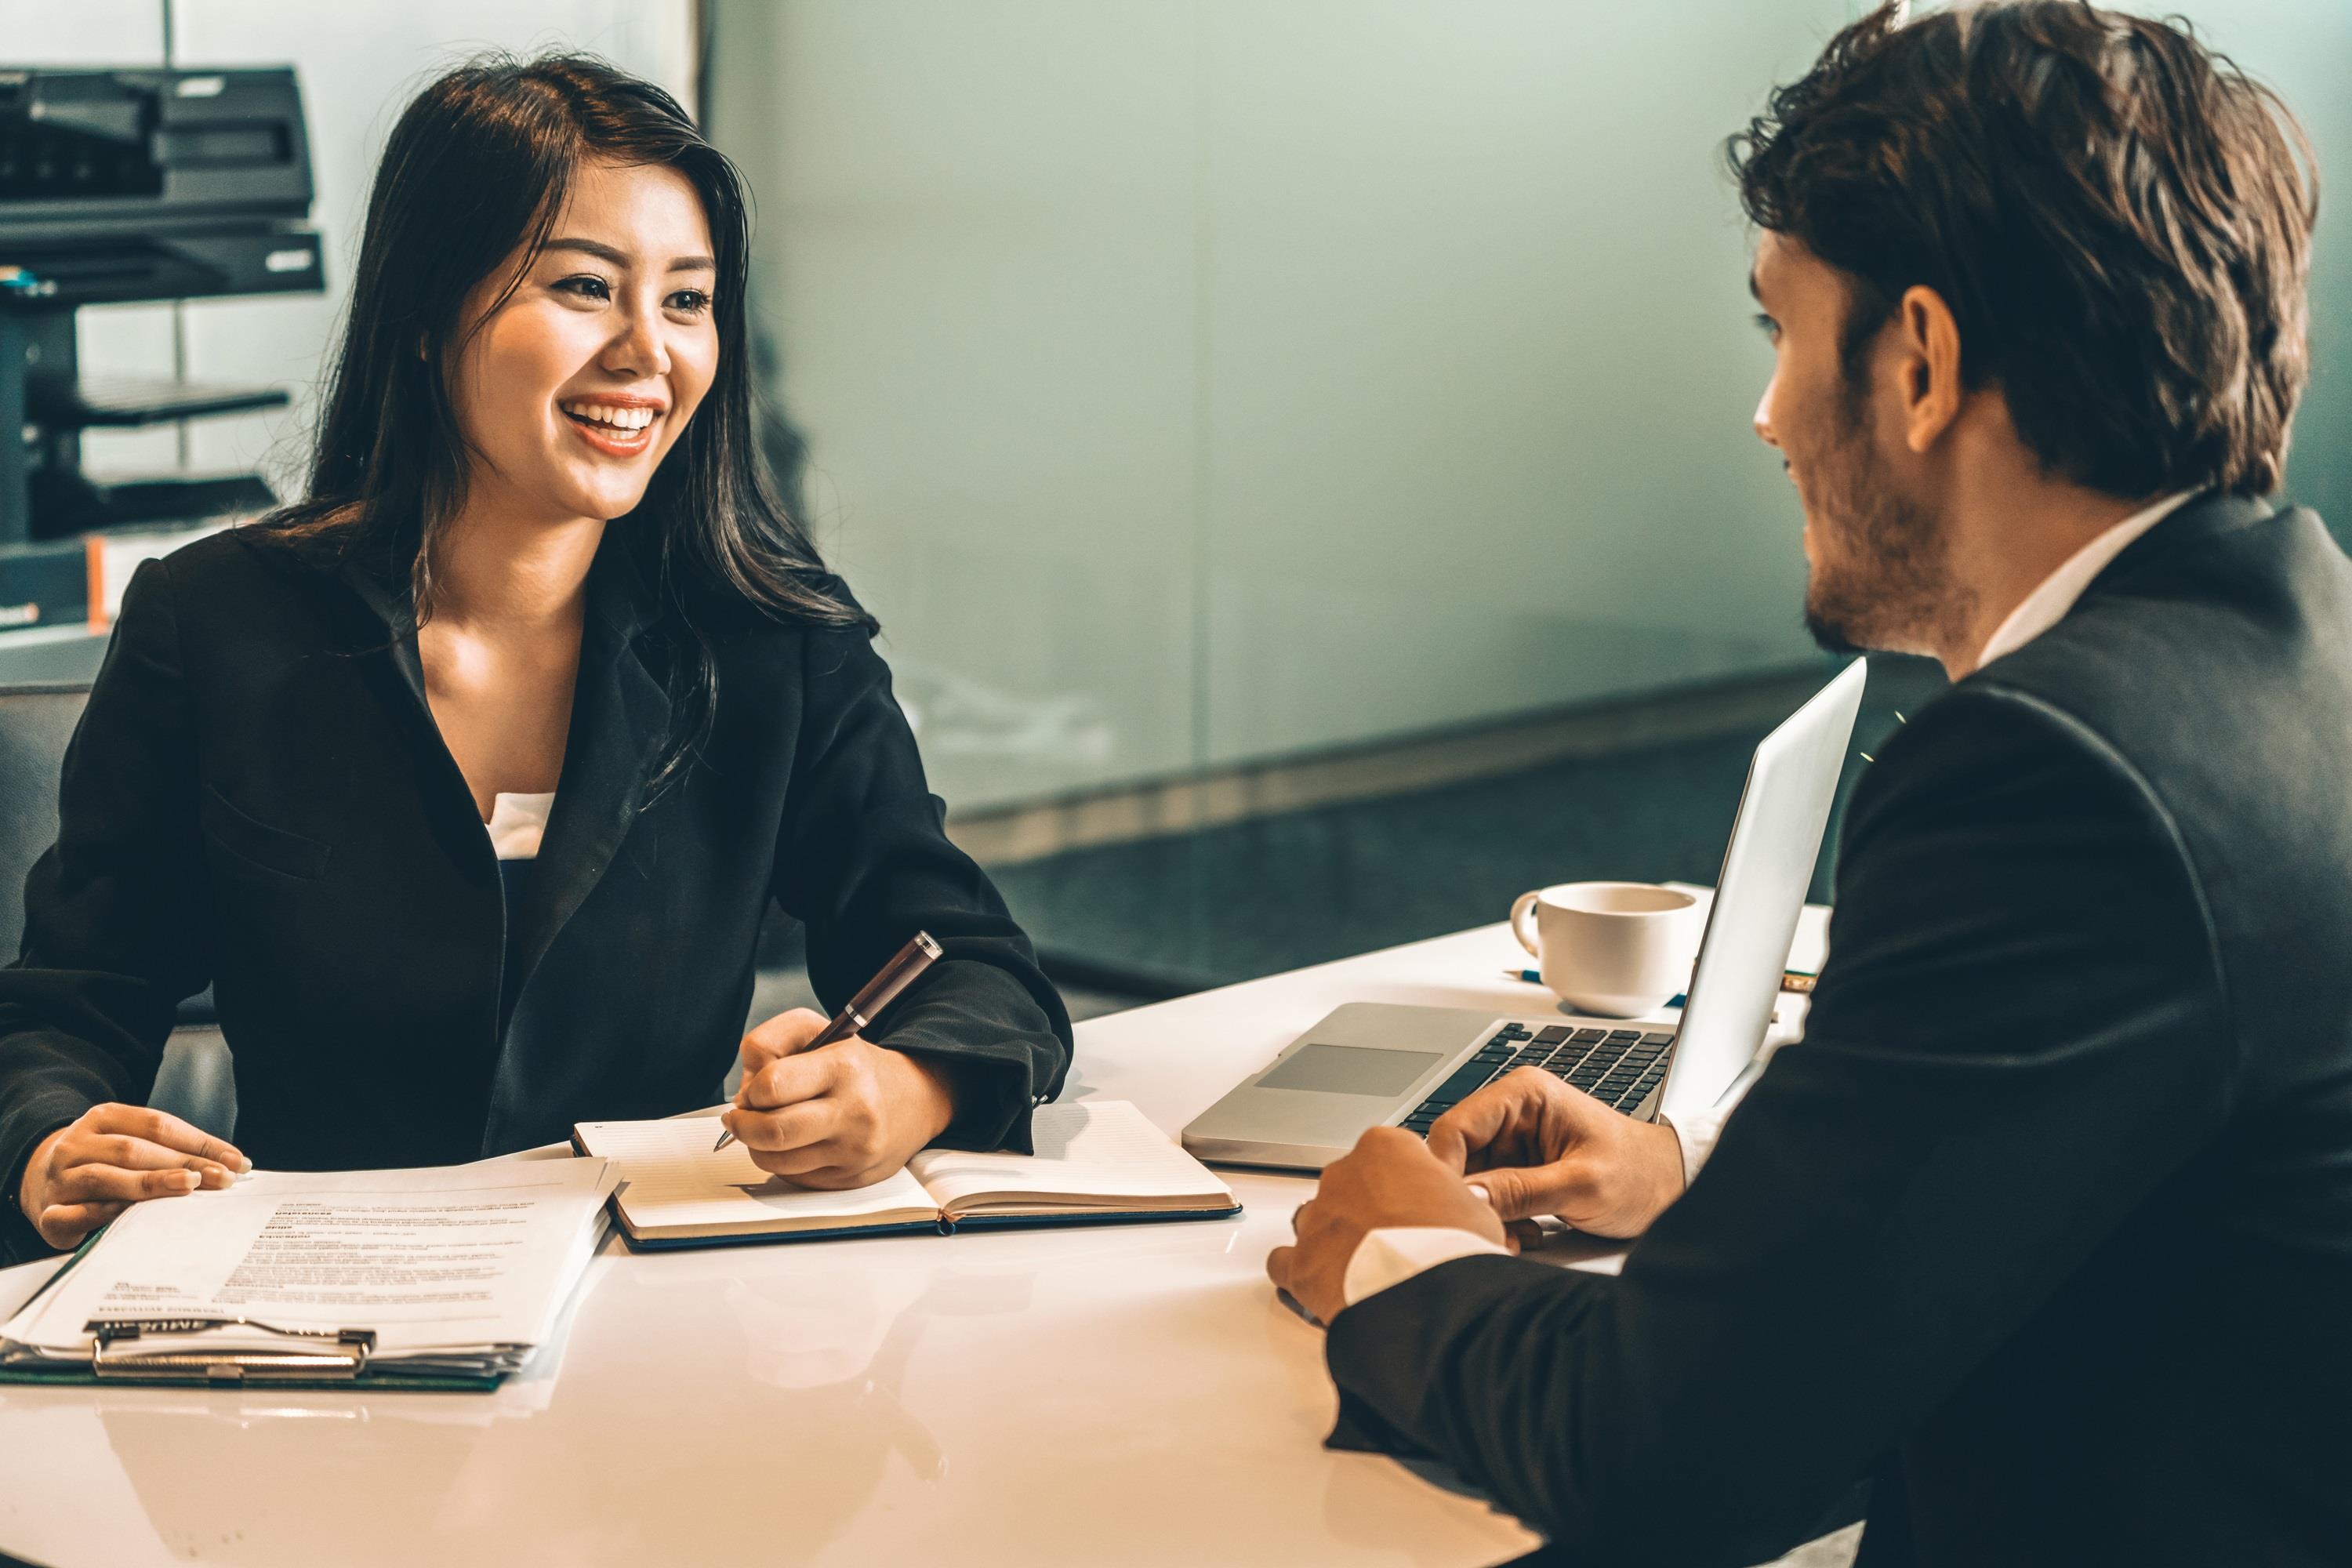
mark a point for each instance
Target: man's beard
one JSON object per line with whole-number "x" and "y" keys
{"x": 1883, "y": 580}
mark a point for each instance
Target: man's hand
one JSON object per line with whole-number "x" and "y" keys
{"x": 843, "y": 1115}
{"x": 1539, "y": 1147}
{"x": 86, "y": 1173}
{"x": 1389, "y": 1178}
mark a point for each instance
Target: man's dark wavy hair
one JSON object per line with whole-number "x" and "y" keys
{"x": 2118, "y": 217}
{"x": 477, "y": 167}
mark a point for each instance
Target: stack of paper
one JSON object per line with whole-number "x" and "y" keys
{"x": 456, "y": 1273}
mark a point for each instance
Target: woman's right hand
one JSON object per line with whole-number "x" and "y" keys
{"x": 86, "y": 1173}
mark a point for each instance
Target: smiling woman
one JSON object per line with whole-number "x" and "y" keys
{"x": 467, "y": 782}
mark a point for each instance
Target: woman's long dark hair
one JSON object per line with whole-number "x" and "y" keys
{"x": 481, "y": 163}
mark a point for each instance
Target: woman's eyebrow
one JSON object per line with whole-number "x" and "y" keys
{"x": 618, "y": 257}
{"x": 598, "y": 248}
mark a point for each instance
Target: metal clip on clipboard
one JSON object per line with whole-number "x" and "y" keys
{"x": 338, "y": 1354}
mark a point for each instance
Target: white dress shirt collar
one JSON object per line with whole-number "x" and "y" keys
{"x": 2047, "y": 604}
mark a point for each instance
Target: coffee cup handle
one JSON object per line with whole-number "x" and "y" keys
{"x": 1519, "y": 908}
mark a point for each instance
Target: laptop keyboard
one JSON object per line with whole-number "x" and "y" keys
{"x": 1618, "y": 1067}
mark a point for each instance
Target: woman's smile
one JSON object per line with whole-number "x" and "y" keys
{"x": 620, "y": 425}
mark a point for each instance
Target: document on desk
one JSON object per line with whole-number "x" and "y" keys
{"x": 461, "y": 1271}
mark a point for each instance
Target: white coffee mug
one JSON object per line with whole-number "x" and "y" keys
{"x": 1617, "y": 949}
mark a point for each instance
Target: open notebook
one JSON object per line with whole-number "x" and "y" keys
{"x": 1097, "y": 1162}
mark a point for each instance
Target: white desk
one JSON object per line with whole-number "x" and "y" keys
{"x": 1130, "y": 1396}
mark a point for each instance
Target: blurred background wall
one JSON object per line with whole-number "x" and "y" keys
{"x": 1192, "y": 384}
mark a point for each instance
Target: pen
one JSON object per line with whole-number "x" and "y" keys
{"x": 879, "y": 992}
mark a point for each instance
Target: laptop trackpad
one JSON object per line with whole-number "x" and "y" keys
{"x": 1349, "y": 1069}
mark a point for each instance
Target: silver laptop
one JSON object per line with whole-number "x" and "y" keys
{"x": 1372, "y": 1064}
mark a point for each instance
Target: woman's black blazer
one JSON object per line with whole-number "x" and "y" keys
{"x": 258, "y": 798}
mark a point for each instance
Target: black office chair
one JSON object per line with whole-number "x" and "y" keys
{"x": 194, "y": 1082}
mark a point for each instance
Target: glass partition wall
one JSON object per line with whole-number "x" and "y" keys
{"x": 1201, "y": 385}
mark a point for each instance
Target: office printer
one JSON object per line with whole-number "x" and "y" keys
{"x": 120, "y": 185}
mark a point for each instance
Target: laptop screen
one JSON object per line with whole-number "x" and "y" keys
{"x": 1767, "y": 868}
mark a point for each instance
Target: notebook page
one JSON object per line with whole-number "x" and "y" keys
{"x": 674, "y": 1179}
{"x": 1092, "y": 1150}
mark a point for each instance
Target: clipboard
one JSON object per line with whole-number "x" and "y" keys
{"x": 310, "y": 1358}
{"x": 374, "y": 1381}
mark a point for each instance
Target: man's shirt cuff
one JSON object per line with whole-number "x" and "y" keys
{"x": 1696, "y": 1133}
{"x": 1394, "y": 1254}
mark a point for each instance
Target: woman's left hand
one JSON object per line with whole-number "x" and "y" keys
{"x": 843, "y": 1115}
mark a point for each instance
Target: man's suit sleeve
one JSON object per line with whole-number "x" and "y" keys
{"x": 113, "y": 911}
{"x": 865, "y": 860}
{"x": 2021, "y": 1032}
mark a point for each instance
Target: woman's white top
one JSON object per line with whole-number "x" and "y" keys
{"x": 517, "y": 824}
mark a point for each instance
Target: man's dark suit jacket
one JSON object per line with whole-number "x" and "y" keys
{"x": 2046, "y": 1226}
{"x": 258, "y": 798}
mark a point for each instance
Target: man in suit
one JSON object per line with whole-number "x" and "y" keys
{"x": 2045, "y": 1229}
